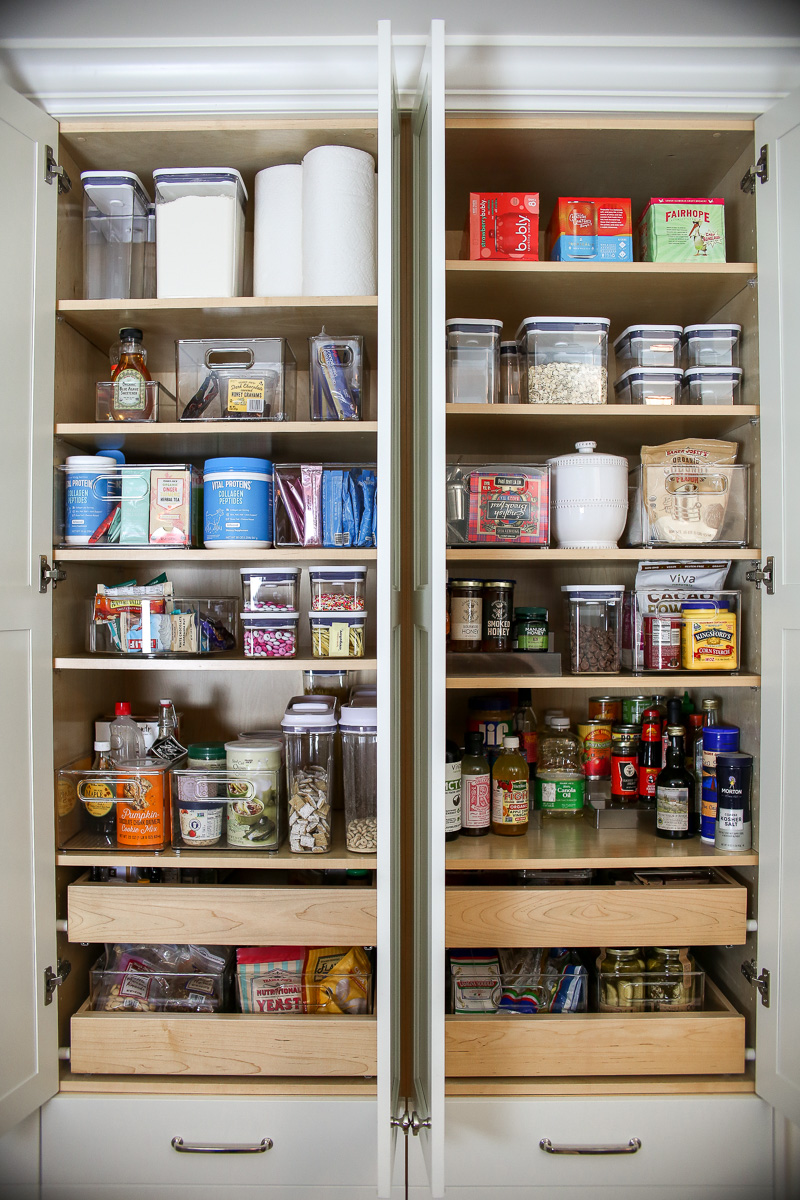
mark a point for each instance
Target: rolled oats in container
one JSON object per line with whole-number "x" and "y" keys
{"x": 564, "y": 359}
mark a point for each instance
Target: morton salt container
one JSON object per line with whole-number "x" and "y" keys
{"x": 237, "y": 503}
{"x": 589, "y": 498}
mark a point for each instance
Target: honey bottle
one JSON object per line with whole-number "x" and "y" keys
{"x": 130, "y": 400}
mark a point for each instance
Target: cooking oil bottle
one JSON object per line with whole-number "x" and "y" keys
{"x": 560, "y": 779}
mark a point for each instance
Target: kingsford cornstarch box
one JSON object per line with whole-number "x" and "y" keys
{"x": 590, "y": 229}
{"x": 682, "y": 230}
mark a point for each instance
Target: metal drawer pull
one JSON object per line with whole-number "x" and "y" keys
{"x": 632, "y": 1147}
{"x": 210, "y": 1148}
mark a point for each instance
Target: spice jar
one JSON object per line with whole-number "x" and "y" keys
{"x": 498, "y": 605}
{"x": 594, "y": 621}
{"x": 359, "y": 730}
{"x": 620, "y": 981}
{"x": 673, "y": 980}
{"x": 531, "y": 630}
{"x": 466, "y": 614}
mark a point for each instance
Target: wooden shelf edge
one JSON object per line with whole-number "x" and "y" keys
{"x": 197, "y": 428}
{"x": 67, "y": 308}
{"x": 121, "y": 554}
{"x": 622, "y": 553}
{"x": 170, "y": 1085}
{"x": 209, "y": 662}
{"x": 647, "y": 411}
{"x": 669, "y": 1085}
{"x": 600, "y": 682}
{"x": 656, "y": 269}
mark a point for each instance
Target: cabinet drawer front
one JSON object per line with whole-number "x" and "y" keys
{"x": 224, "y": 916}
{"x": 96, "y": 1141}
{"x": 686, "y": 1140}
{"x": 221, "y": 1044}
{"x": 711, "y": 915}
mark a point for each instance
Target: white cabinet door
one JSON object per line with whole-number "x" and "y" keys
{"x": 29, "y": 1070}
{"x": 429, "y": 610}
{"x": 389, "y": 648}
{"x": 778, "y": 1055}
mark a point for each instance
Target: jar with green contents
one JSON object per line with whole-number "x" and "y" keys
{"x": 531, "y": 630}
{"x": 673, "y": 980}
{"x": 620, "y": 981}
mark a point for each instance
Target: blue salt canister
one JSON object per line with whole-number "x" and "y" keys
{"x": 90, "y": 492}
{"x": 238, "y": 503}
{"x": 717, "y": 739}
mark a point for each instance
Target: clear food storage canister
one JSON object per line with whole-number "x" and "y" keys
{"x": 270, "y": 635}
{"x": 712, "y": 385}
{"x": 649, "y": 385}
{"x": 255, "y": 812}
{"x": 648, "y": 346}
{"x": 115, "y": 207}
{"x": 337, "y": 635}
{"x": 242, "y": 379}
{"x": 199, "y": 232}
{"x": 712, "y": 345}
{"x": 270, "y": 589}
{"x": 338, "y": 589}
{"x": 564, "y": 359}
{"x": 509, "y": 373}
{"x": 359, "y": 729}
{"x": 309, "y": 725}
{"x": 594, "y": 622}
{"x": 473, "y": 361}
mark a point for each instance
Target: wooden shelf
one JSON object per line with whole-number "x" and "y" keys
{"x": 179, "y": 440}
{"x": 503, "y": 429}
{"x": 209, "y": 662}
{"x": 602, "y": 683}
{"x": 480, "y": 554}
{"x": 126, "y": 554}
{"x": 162, "y": 321}
{"x": 564, "y": 844}
{"x": 210, "y": 1085}
{"x": 614, "y": 1085}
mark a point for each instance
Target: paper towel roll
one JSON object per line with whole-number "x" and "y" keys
{"x": 339, "y": 222}
{"x": 278, "y": 241}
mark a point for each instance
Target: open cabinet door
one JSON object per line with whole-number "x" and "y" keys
{"x": 29, "y": 1039}
{"x": 388, "y": 998}
{"x": 429, "y": 604}
{"x": 778, "y": 1046}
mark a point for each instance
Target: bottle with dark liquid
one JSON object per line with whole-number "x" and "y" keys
{"x": 675, "y": 792}
{"x": 452, "y": 792}
{"x": 130, "y": 400}
{"x": 166, "y": 746}
{"x": 649, "y": 755}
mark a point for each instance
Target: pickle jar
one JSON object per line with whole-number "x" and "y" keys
{"x": 620, "y": 981}
{"x": 498, "y": 609}
{"x": 672, "y": 980}
{"x": 466, "y": 614}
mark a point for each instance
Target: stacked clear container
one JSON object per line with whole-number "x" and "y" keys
{"x": 358, "y": 725}
{"x": 648, "y": 346}
{"x": 309, "y": 726}
{"x": 235, "y": 379}
{"x": 594, "y": 626}
{"x": 711, "y": 345}
{"x": 338, "y": 589}
{"x": 115, "y": 208}
{"x": 564, "y": 360}
{"x": 199, "y": 232}
{"x": 473, "y": 361}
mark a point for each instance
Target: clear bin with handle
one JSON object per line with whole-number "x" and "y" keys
{"x": 359, "y": 729}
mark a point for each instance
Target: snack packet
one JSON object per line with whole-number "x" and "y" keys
{"x": 338, "y": 980}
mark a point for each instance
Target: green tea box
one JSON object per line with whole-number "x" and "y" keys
{"x": 681, "y": 231}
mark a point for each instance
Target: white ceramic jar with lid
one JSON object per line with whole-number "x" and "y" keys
{"x": 589, "y": 498}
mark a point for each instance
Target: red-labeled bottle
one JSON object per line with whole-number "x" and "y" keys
{"x": 649, "y": 755}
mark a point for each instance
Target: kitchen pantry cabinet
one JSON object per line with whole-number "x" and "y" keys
{"x": 321, "y": 1091}
{"x": 505, "y": 1094}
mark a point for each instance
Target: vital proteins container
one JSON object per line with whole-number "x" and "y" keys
{"x": 309, "y": 726}
{"x": 238, "y": 503}
{"x": 89, "y": 495}
{"x": 254, "y": 821}
{"x": 199, "y": 232}
{"x": 359, "y": 729}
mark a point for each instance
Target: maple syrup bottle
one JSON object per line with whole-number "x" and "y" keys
{"x": 130, "y": 400}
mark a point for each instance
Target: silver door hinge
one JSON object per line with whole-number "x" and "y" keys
{"x": 763, "y": 575}
{"x": 48, "y": 574}
{"x": 53, "y": 171}
{"x": 759, "y": 171}
{"x": 750, "y": 972}
{"x": 411, "y": 1121}
{"x": 53, "y": 980}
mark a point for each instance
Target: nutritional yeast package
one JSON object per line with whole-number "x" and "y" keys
{"x": 682, "y": 230}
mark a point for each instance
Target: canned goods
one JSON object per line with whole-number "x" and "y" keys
{"x": 625, "y": 771}
{"x": 633, "y": 708}
{"x": 608, "y": 708}
{"x": 662, "y": 642}
{"x": 595, "y": 739}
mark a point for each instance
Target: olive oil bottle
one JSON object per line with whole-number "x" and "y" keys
{"x": 510, "y": 781}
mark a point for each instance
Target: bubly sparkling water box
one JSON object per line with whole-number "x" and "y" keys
{"x": 682, "y": 230}
{"x": 590, "y": 229}
{"x": 504, "y": 225}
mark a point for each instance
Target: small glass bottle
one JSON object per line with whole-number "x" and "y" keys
{"x": 166, "y": 746}
{"x": 531, "y": 630}
{"x": 649, "y": 756}
{"x": 101, "y": 811}
{"x": 525, "y": 727}
{"x": 130, "y": 400}
{"x": 712, "y": 715}
{"x": 675, "y": 792}
{"x": 510, "y": 783}
{"x": 560, "y": 778}
{"x": 452, "y": 792}
{"x": 476, "y": 788}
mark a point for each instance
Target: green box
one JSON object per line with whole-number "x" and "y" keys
{"x": 682, "y": 231}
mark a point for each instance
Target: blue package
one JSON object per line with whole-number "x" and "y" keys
{"x": 355, "y": 497}
{"x": 332, "y": 508}
{"x": 366, "y": 485}
{"x": 349, "y": 521}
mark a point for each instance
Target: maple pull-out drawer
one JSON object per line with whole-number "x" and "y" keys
{"x": 222, "y": 915}
{"x": 710, "y": 1042}
{"x": 712, "y": 914}
{"x": 124, "y": 1043}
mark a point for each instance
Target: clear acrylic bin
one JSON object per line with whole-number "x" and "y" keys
{"x": 102, "y": 503}
{"x": 693, "y": 506}
{"x": 650, "y": 991}
{"x": 473, "y": 361}
{"x": 199, "y": 232}
{"x": 270, "y": 635}
{"x": 127, "y": 808}
{"x": 338, "y": 375}
{"x": 338, "y": 634}
{"x": 524, "y": 995}
{"x": 648, "y": 346}
{"x": 115, "y": 206}
{"x": 161, "y": 628}
{"x": 649, "y": 385}
{"x": 235, "y": 379}
{"x": 593, "y": 620}
{"x": 159, "y": 400}
{"x": 338, "y": 589}
{"x": 205, "y": 802}
{"x": 270, "y": 589}
{"x": 332, "y": 505}
{"x": 564, "y": 359}
{"x": 712, "y": 385}
{"x": 660, "y": 631}
{"x": 711, "y": 345}
{"x": 359, "y": 729}
{"x": 144, "y": 986}
{"x": 502, "y": 504}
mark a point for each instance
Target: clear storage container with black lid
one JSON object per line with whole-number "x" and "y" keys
{"x": 564, "y": 360}
{"x": 115, "y": 207}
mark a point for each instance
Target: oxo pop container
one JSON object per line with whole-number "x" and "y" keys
{"x": 338, "y": 634}
{"x": 199, "y": 232}
{"x": 712, "y": 385}
{"x": 235, "y": 379}
{"x": 564, "y": 359}
{"x": 270, "y": 635}
{"x": 359, "y": 729}
{"x": 594, "y": 624}
{"x": 338, "y": 589}
{"x": 649, "y": 385}
{"x": 270, "y": 589}
{"x": 649, "y": 346}
{"x": 115, "y": 207}
{"x": 473, "y": 361}
{"x": 309, "y": 726}
{"x": 711, "y": 345}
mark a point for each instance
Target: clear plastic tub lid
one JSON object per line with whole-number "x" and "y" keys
{"x": 691, "y": 331}
{"x": 310, "y": 713}
{"x": 340, "y": 574}
{"x": 269, "y": 618}
{"x": 110, "y": 190}
{"x": 274, "y": 574}
{"x": 508, "y": 347}
{"x": 593, "y": 591}
{"x": 179, "y": 177}
{"x": 651, "y": 374}
{"x": 711, "y": 373}
{"x": 565, "y": 325}
{"x": 473, "y": 324}
{"x": 326, "y": 617}
{"x": 359, "y": 717}
{"x": 648, "y": 331}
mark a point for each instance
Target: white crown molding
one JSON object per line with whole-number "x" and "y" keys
{"x": 73, "y": 78}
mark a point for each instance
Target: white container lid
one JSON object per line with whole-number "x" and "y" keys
{"x": 270, "y": 572}
{"x": 593, "y": 591}
{"x": 704, "y": 330}
{"x": 472, "y": 323}
{"x": 79, "y": 462}
{"x": 310, "y": 712}
{"x": 180, "y": 176}
{"x": 587, "y": 457}
{"x": 358, "y": 717}
{"x": 567, "y": 324}
{"x": 253, "y": 742}
{"x": 712, "y": 373}
{"x": 337, "y": 615}
{"x": 654, "y": 373}
{"x": 340, "y": 573}
{"x": 508, "y": 347}
{"x": 638, "y": 330}
{"x": 271, "y": 618}
{"x": 112, "y": 191}
{"x": 559, "y": 723}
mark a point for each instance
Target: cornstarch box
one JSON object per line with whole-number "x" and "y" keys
{"x": 504, "y": 225}
{"x": 682, "y": 230}
{"x": 590, "y": 229}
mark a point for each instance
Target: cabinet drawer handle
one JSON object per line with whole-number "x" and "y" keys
{"x": 212, "y": 1148}
{"x": 634, "y": 1145}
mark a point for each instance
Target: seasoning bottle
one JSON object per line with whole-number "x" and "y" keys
{"x": 466, "y": 614}
{"x": 101, "y": 811}
{"x": 560, "y": 779}
{"x": 498, "y": 607}
{"x": 649, "y": 755}
{"x": 675, "y": 791}
{"x": 476, "y": 788}
{"x": 130, "y": 376}
{"x": 166, "y": 746}
{"x": 452, "y": 792}
{"x": 625, "y": 770}
{"x": 510, "y": 782}
{"x": 525, "y": 728}
{"x": 674, "y": 717}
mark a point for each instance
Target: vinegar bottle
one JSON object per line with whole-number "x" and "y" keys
{"x": 675, "y": 792}
{"x": 510, "y": 791}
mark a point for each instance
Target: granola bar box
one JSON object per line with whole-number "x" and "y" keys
{"x": 680, "y": 230}
{"x": 510, "y": 505}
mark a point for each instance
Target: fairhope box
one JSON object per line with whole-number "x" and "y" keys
{"x": 682, "y": 230}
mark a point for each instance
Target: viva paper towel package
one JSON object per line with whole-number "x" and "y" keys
{"x": 682, "y": 230}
